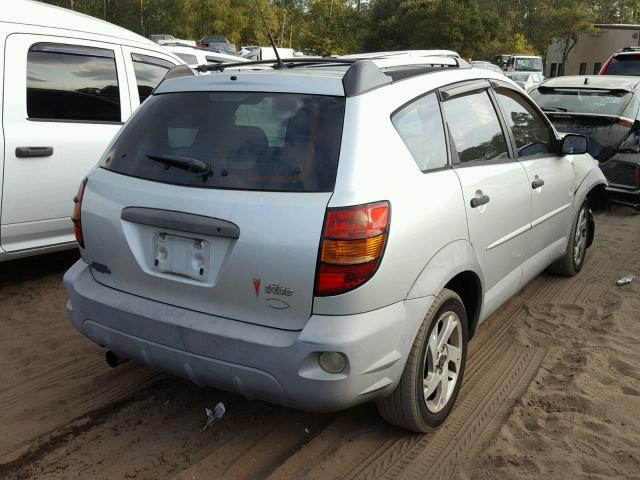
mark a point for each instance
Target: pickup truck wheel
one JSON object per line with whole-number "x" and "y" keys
{"x": 573, "y": 259}
{"x": 433, "y": 373}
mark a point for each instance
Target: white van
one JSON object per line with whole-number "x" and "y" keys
{"x": 525, "y": 63}
{"x": 69, "y": 82}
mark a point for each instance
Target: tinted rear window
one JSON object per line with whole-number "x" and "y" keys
{"x": 251, "y": 141}
{"x": 578, "y": 100}
{"x": 624, "y": 65}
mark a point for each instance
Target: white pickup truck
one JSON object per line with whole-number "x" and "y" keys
{"x": 70, "y": 81}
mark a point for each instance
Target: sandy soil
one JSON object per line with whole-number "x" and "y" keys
{"x": 552, "y": 390}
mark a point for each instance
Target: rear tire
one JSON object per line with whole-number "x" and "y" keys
{"x": 434, "y": 370}
{"x": 572, "y": 261}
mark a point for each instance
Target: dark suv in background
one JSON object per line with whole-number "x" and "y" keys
{"x": 605, "y": 109}
{"x": 624, "y": 62}
{"x": 218, "y": 44}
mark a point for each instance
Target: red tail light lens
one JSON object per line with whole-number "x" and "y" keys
{"x": 625, "y": 122}
{"x": 352, "y": 245}
{"x": 356, "y": 222}
{"x": 77, "y": 209}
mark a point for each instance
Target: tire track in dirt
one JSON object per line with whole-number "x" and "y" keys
{"x": 381, "y": 449}
{"x": 494, "y": 350}
{"x": 150, "y": 430}
{"x": 37, "y": 411}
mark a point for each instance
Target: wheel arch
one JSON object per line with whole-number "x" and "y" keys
{"x": 454, "y": 266}
{"x": 598, "y": 201}
{"x": 469, "y": 288}
{"x": 598, "y": 197}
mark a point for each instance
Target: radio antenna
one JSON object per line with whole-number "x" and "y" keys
{"x": 280, "y": 64}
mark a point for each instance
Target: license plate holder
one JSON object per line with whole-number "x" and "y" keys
{"x": 181, "y": 256}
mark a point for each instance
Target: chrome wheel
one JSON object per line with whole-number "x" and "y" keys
{"x": 442, "y": 361}
{"x": 580, "y": 239}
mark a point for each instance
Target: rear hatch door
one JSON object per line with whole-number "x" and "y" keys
{"x": 605, "y": 132}
{"x": 604, "y": 114}
{"x": 214, "y": 202}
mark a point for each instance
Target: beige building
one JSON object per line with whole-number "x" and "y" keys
{"x": 591, "y": 51}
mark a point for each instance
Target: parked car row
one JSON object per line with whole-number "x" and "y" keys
{"x": 194, "y": 56}
{"x": 243, "y": 228}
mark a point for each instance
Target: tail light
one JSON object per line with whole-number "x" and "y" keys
{"x": 603, "y": 69}
{"x": 353, "y": 241}
{"x": 625, "y": 122}
{"x": 76, "y": 217}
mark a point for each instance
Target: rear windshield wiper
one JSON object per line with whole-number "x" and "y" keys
{"x": 185, "y": 163}
{"x": 554, "y": 109}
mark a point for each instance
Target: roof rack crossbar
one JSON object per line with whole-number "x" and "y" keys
{"x": 287, "y": 62}
{"x": 363, "y": 73}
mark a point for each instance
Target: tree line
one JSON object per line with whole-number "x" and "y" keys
{"x": 475, "y": 28}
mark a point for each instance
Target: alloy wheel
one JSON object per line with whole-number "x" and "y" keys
{"x": 442, "y": 362}
{"x": 580, "y": 239}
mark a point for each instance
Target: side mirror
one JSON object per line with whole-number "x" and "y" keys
{"x": 573, "y": 144}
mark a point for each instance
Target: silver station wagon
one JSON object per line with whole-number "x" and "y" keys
{"x": 326, "y": 232}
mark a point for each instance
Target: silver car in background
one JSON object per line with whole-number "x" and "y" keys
{"x": 313, "y": 236}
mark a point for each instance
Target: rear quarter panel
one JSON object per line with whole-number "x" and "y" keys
{"x": 427, "y": 209}
{"x": 3, "y": 36}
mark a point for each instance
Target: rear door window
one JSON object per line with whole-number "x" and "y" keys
{"x": 248, "y": 140}
{"x": 73, "y": 83}
{"x": 475, "y": 128}
{"x": 149, "y": 73}
{"x": 420, "y": 126}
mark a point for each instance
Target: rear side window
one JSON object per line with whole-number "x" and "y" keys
{"x": 247, "y": 140}
{"x": 624, "y": 65}
{"x": 149, "y": 73}
{"x": 475, "y": 128}
{"x": 70, "y": 82}
{"x": 420, "y": 126}
{"x": 529, "y": 130}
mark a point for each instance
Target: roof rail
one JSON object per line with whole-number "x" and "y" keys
{"x": 286, "y": 63}
{"x": 362, "y": 74}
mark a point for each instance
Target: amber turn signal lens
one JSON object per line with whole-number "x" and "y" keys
{"x": 349, "y": 252}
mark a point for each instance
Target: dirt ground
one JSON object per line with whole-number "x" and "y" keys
{"x": 552, "y": 390}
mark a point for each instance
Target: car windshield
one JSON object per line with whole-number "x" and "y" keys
{"x": 624, "y": 65}
{"x": 528, "y": 64}
{"x": 519, "y": 77}
{"x": 579, "y": 100}
{"x": 246, "y": 141}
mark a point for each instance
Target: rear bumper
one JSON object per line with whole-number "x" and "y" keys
{"x": 629, "y": 197}
{"x": 258, "y": 362}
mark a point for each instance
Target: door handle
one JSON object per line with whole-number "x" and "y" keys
{"x": 28, "y": 152}
{"x": 537, "y": 183}
{"x": 477, "y": 201}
